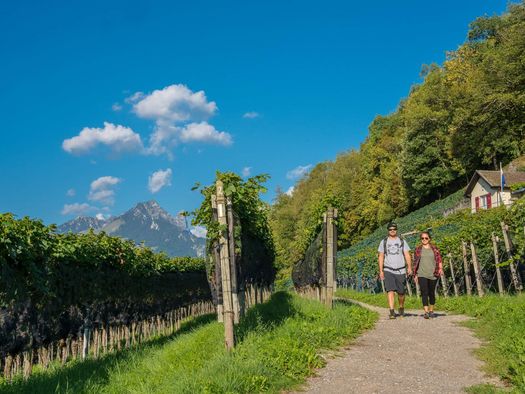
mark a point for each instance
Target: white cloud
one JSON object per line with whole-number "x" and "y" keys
{"x": 159, "y": 179}
{"x": 290, "y": 191}
{"x": 116, "y": 107}
{"x": 71, "y": 193}
{"x": 298, "y": 172}
{"x": 76, "y": 209}
{"x": 204, "y": 132}
{"x": 166, "y": 136}
{"x": 101, "y": 190}
{"x": 246, "y": 171}
{"x": 199, "y": 231}
{"x": 180, "y": 116}
{"x": 134, "y": 97}
{"x": 117, "y": 138}
{"x": 104, "y": 182}
{"x": 175, "y": 103}
{"x": 251, "y": 115}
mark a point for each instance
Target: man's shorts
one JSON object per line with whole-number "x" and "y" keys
{"x": 395, "y": 282}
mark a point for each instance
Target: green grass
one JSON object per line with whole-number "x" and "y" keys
{"x": 499, "y": 322}
{"x": 279, "y": 344}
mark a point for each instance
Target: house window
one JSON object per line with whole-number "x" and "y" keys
{"x": 484, "y": 202}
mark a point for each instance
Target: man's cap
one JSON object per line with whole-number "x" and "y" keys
{"x": 391, "y": 225}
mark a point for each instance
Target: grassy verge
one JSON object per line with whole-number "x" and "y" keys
{"x": 500, "y": 323}
{"x": 278, "y": 346}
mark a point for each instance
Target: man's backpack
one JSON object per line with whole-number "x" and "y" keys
{"x": 402, "y": 244}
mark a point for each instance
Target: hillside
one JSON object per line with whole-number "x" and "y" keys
{"x": 467, "y": 114}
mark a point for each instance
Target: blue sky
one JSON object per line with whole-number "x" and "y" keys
{"x": 108, "y": 103}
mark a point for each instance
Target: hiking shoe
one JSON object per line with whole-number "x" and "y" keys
{"x": 392, "y": 315}
{"x": 426, "y": 315}
{"x": 401, "y": 312}
{"x": 432, "y": 315}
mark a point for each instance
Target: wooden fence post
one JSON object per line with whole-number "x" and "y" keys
{"x": 444, "y": 284}
{"x": 217, "y": 260}
{"x": 477, "y": 270}
{"x": 496, "y": 263}
{"x": 453, "y": 275}
{"x": 330, "y": 272}
{"x": 233, "y": 262}
{"x": 468, "y": 282}
{"x": 516, "y": 279}
{"x": 86, "y": 338}
{"x": 225, "y": 269}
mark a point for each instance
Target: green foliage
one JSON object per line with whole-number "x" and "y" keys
{"x": 467, "y": 114}
{"x": 50, "y": 282}
{"x": 278, "y": 346}
{"x": 499, "y": 321}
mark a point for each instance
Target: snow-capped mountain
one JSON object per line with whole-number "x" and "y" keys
{"x": 147, "y": 222}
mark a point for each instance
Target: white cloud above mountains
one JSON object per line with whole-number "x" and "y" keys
{"x": 117, "y": 138}
{"x": 298, "y": 172}
{"x": 76, "y": 209}
{"x": 159, "y": 179}
{"x": 101, "y": 190}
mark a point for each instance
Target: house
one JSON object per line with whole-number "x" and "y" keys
{"x": 484, "y": 189}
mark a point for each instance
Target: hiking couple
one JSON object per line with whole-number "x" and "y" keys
{"x": 395, "y": 263}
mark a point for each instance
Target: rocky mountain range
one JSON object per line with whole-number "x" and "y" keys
{"x": 147, "y": 222}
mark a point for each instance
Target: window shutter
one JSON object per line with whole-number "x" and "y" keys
{"x": 489, "y": 201}
{"x": 477, "y": 204}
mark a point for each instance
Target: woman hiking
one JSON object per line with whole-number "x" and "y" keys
{"x": 428, "y": 267}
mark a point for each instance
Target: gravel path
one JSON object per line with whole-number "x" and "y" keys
{"x": 408, "y": 355}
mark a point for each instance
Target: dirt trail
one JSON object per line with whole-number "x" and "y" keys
{"x": 408, "y": 355}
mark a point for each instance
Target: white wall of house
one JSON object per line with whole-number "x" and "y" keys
{"x": 481, "y": 190}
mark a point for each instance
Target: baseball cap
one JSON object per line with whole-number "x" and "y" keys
{"x": 391, "y": 225}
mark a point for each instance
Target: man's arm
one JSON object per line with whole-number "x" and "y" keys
{"x": 408, "y": 259}
{"x": 381, "y": 260}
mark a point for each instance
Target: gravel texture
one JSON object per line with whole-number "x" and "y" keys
{"x": 405, "y": 355}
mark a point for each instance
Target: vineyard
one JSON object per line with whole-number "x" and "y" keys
{"x": 474, "y": 246}
{"x": 58, "y": 291}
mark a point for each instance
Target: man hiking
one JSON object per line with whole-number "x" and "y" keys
{"x": 394, "y": 253}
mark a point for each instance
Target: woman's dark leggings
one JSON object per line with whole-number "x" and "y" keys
{"x": 428, "y": 291}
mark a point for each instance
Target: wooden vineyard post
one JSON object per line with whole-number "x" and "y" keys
{"x": 225, "y": 269}
{"x": 217, "y": 261}
{"x": 444, "y": 284}
{"x": 477, "y": 270}
{"x": 516, "y": 280}
{"x": 468, "y": 282}
{"x": 496, "y": 264}
{"x": 233, "y": 263}
{"x": 330, "y": 256}
{"x": 453, "y": 275}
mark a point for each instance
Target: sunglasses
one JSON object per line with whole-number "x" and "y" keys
{"x": 424, "y": 238}
{"x": 392, "y": 229}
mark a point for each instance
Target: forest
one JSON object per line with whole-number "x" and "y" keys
{"x": 466, "y": 114}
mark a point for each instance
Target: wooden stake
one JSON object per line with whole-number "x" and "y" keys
{"x": 330, "y": 266}
{"x": 516, "y": 279}
{"x": 468, "y": 282}
{"x": 217, "y": 260}
{"x": 453, "y": 275}
{"x": 477, "y": 270}
{"x": 225, "y": 270}
{"x": 496, "y": 264}
{"x": 233, "y": 263}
